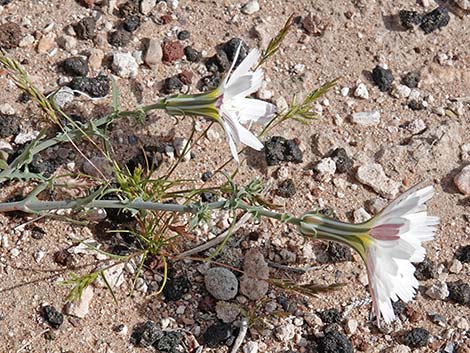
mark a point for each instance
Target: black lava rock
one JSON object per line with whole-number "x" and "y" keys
{"x": 131, "y": 23}
{"x": 75, "y": 66}
{"x": 209, "y": 82}
{"x": 459, "y": 292}
{"x": 119, "y": 38}
{"x": 230, "y": 48}
{"x": 411, "y": 79}
{"x": 129, "y": 8}
{"x": 9, "y": 125}
{"x": 98, "y": 86}
{"x": 383, "y": 78}
{"x": 416, "y": 105}
{"x": 206, "y": 176}
{"x": 435, "y": 19}
{"x": 85, "y": 28}
{"x": 10, "y": 35}
{"x": 278, "y": 149}
{"x": 339, "y": 253}
{"x": 183, "y": 35}
{"x": 175, "y": 288}
{"x": 417, "y": 337}
{"x": 208, "y": 197}
{"x": 286, "y": 189}
{"x": 146, "y": 334}
{"x": 192, "y": 54}
{"x": 330, "y": 316}
{"x": 216, "y": 334}
{"x": 52, "y": 316}
{"x": 399, "y": 308}
{"x": 343, "y": 163}
{"x": 463, "y": 254}
{"x": 219, "y": 62}
{"x": 45, "y": 167}
{"x": 172, "y": 84}
{"x": 143, "y": 159}
{"x": 409, "y": 19}
{"x": 426, "y": 269}
{"x": 170, "y": 342}
{"x": 334, "y": 342}
{"x": 5, "y": 2}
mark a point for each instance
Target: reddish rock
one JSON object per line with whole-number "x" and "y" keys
{"x": 166, "y": 19}
{"x": 172, "y": 51}
{"x": 186, "y": 77}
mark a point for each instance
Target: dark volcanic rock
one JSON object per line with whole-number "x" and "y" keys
{"x": 131, "y": 23}
{"x": 146, "y": 334}
{"x": 5, "y": 2}
{"x": 334, "y": 342}
{"x": 172, "y": 85}
{"x": 52, "y": 316}
{"x": 411, "y": 79}
{"x": 183, "y": 35}
{"x": 192, "y": 55}
{"x": 286, "y": 188}
{"x": 10, "y": 35}
{"x": 343, "y": 163}
{"x": 330, "y": 316}
{"x": 75, "y": 66}
{"x": 463, "y": 254}
{"x": 216, "y": 334}
{"x": 9, "y": 125}
{"x": 435, "y": 19}
{"x": 230, "y": 48}
{"x": 219, "y": 62}
{"x": 85, "y": 28}
{"x": 417, "y": 337}
{"x": 119, "y": 38}
{"x": 98, "y": 86}
{"x": 459, "y": 291}
{"x": 170, "y": 342}
{"x": 339, "y": 253}
{"x": 383, "y": 78}
{"x": 426, "y": 269}
{"x": 175, "y": 288}
{"x": 409, "y": 19}
{"x": 278, "y": 149}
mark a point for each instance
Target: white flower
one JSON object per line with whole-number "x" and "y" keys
{"x": 388, "y": 243}
{"x": 228, "y": 103}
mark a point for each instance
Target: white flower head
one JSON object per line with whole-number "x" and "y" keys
{"x": 228, "y": 103}
{"x": 388, "y": 243}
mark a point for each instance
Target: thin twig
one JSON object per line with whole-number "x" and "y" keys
{"x": 241, "y": 336}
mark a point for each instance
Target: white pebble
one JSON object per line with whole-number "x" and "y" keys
{"x": 251, "y": 7}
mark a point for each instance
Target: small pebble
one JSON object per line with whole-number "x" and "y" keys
{"x": 183, "y": 35}
{"x": 459, "y": 291}
{"x": 374, "y": 176}
{"x": 81, "y": 307}
{"x": 153, "y": 55}
{"x": 361, "y": 91}
{"x": 75, "y": 66}
{"x": 416, "y": 126}
{"x": 417, "y": 337}
{"x": 172, "y": 51}
{"x": 366, "y": 118}
{"x": 192, "y": 55}
{"x": 217, "y": 334}
{"x": 435, "y": 19}
{"x": 63, "y": 97}
{"x": 462, "y": 181}
{"x": 125, "y": 65}
{"x": 146, "y": 6}
{"x": 221, "y": 283}
{"x": 227, "y": 312}
{"x": 325, "y": 169}
{"x": 251, "y": 7}
{"x": 438, "y": 291}
{"x": 456, "y": 266}
{"x": 383, "y": 78}
{"x": 52, "y": 316}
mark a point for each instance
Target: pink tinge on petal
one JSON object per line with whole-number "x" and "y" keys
{"x": 386, "y": 232}
{"x": 220, "y": 101}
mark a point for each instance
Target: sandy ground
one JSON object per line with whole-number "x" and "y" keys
{"x": 359, "y": 37}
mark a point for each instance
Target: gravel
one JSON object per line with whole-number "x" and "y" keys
{"x": 216, "y": 334}
{"x": 286, "y": 189}
{"x": 344, "y": 164}
{"x": 409, "y": 19}
{"x": 85, "y": 28}
{"x": 10, "y": 35}
{"x": 462, "y": 181}
{"x": 125, "y": 65}
{"x": 374, "y": 176}
{"x": 417, "y": 337}
{"x": 438, "y": 291}
{"x": 119, "y": 38}
{"x": 175, "y": 288}
{"x": 382, "y": 78}
{"x": 153, "y": 53}
{"x": 463, "y": 254}
{"x": 95, "y": 87}
{"x": 435, "y": 19}
{"x": 9, "y": 125}
{"x": 426, "y": 269}
{"x": 330, "y": 316}
{"x": 146, "y": 334}
{"x": 411, "y": 79}
{"x": 278, "y": 150}
{"x": 183, "y": 35}
{"x": 192, "y": 55}
{"x": 459, "y": 291}
{"x": 172, "y": 84}
{"x": 251, "y": 7}
{"x": 131, "y": 23}
{"x": 366, "y": 118}
{"x": 75, "y": 66}
{"x": 334, "y": 342}
{"x": 52, "y": 316}
{"x": 172, "y": 51}
{"x": 170, "y": 342}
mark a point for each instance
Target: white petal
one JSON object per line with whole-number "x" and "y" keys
{"x": 235, "y": 58}
{"x": 255, "y": 110}
{"x": 250, "y": 60}
{"x": 249, "y": 139}
{"x": 243, "y": 85}
{"x": 233, "y": 147}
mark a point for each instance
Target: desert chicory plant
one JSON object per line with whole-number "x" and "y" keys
{"x": 388, "y": 244}
{"x": 228, "y": 104}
